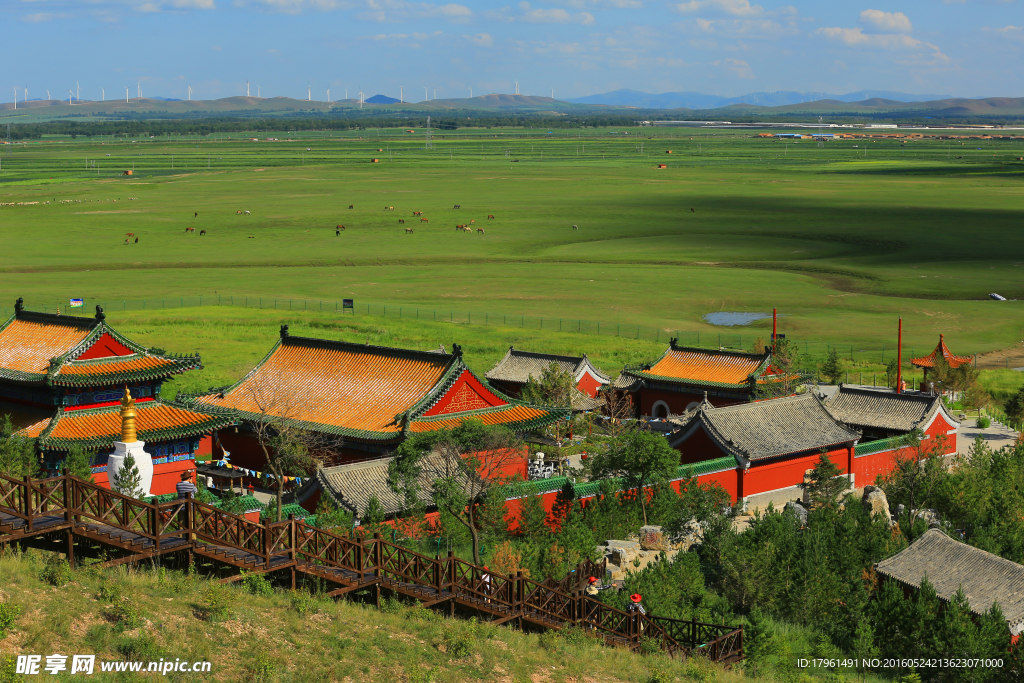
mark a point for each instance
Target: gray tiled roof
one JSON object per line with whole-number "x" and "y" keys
{"x": 883, "y": 408}
{"x": 627, "y": 382}
{"x": 950, "y": 565}
{"x": 519, "y": 366}
{"x": 352, "y": 486}
{"x": 766, "y": 429}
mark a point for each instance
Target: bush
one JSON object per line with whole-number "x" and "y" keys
{"x": 140, "y": 649}
{"x": 7, "y": 668}
{"x": 257, "y": 584}
{"x": 8, "y": 615}
{"x": 984, "y": 422}
{"x": 462, "y": 637}
{"x": 650, "y": 646}
{"x": 391, "y": 605}
{"x": 109, "y": 592}
{"x": 304, "y": 603}
{"x": 56, "y": 571}
{"x": 127, "y": 613}
{"x": 416, "y": 674}
{"x": 259, "y": 667}
{"x": 215, "y": 603}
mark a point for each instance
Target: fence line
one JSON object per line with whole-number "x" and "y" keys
{"x": 745, "y": 341}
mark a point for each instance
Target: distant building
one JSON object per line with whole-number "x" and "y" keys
{"x": 515, "y": 369}
{"x": 685, "y": 376}
{"x": 951, "y": 565}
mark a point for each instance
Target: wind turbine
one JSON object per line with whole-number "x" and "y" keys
{"x": 71, "y": 93}
{"x": 309, "y": 93}
{"x": 47, "y": 94}
{"x": 435, "y": 93}
{"x": 517, "y": 87}
{"x": 401, "y": 97}
{"x": 471, "y": 93}
{"x": 328, "y": 96}
{"x": 426, "y": 97}
{"x": 190, "y": 93}
{"x": 126, "y": 95}
{"x": 552, "y": 93}
{"x": 78, "y": 96}
{"x": 138, "y": 89}
{"x": 15, "y": 97}
{"x": 258, "y": 91}
{"x": 25, "y": 98}
{"x": 360, "y": 99}
{"x": 103, "y": 94}
{"x": 247, "y": 87}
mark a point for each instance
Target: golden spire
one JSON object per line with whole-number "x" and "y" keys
{"x": 128, "y": 417}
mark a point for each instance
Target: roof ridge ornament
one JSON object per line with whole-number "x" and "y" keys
{"x": 19, "y": 305}
{"x": 456, "y": 350}
{"x": 128, "y": 434}
{"x": 100, "y": 315}
{"x": 672, "y": 343}
{"x": 284, "y": 332}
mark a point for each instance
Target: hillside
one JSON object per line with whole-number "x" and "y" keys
{"x": 146, "y": 614}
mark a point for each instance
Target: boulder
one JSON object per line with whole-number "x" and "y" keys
{"x": 799, "y": 510}
{"x": 929, "y": 515}
{"x": 653, "y": 537}
{"x": 875, "y": 502}
{"x": 623, "y": 553}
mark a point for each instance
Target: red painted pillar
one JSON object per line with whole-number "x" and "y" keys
{"x": 849, "y": 465}
{"x": 740, "y": 475}
{"x": 899, "y": 360}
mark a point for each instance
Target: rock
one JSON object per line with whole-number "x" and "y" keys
{"x": 875, "y": 503}
{"x": 929, "y": 515}
{"x": 799, "y": 510}
{"x": 653, "y": 537}
{"x": 623, "y": 553}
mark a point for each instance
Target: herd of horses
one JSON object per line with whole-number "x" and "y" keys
{"x": 463, "y": 227}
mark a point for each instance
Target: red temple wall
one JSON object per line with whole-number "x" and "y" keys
{"x": 165, "y": 476}
{"x": 588, "y": 384}
{"x": 783, "y": 472}
{"x": 465, "y": 394}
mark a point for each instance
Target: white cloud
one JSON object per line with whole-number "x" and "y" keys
{"x": 738, "y": 66}
{"x": 298, "y": 6}
{"x": 1011, "y": 32}
{"x": 855, "y": 37}
{"x": 399, "y": 10}
{"x": 553, "y": 16}
{"x": 896, "y": 22}
{"x": 41, "y": 17}
{"x": 481, "y": 39}
{"x": 737, "y": 8}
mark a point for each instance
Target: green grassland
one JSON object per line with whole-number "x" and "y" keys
{"x": 843, "y": 239}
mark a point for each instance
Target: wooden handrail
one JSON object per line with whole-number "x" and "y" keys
{"x": 553, "y": 603}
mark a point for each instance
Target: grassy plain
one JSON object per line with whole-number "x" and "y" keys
{"x": 843, "y": 239}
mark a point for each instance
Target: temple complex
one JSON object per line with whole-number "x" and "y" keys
{"x": 363, "y": 400}
{"x": 62, "y": 380}
{"x": 683, "y": 376}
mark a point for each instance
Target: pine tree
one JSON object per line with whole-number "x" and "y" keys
{"x": 128, "y": 481}
{"x": 17, "y": 455}
{"x": 826, "y": 484}
{"x": 532, "y": 516}
{"x": 77, "y": 463}
{"x": 833, "y": 367}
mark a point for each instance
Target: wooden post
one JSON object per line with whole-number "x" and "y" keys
{"x": 899, "y": 359}
{"x": 451, "y": 582}
{"x": 27, "y": 503}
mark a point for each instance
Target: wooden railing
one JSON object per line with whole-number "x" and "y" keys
{"x": 91, "y": 510}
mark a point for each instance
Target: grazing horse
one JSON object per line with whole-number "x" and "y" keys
{"x": 337, "y": 233}
{"x": 197, "y": 215}
{"x": 575, "y": 227}
{"x": 190, "y": 229}
{"x": 480, "y": 230}
{"x": 417, "y": 213}
{"x": 408, "y": 231}
{"x": 202, "y": 232}
{"x": 424, "y": 220}
{"x": 136, "y": 240}
{"x": 247, "y": 213}
{"x": 238, "y": 213}
{"x": 340, "y": 227}
{"x": 472, "y": 222}
{"x": 457, "y": 206}
{"x": 490, "y": 216}
{"x": 129, "y": 234}
{"x": 251, "y": 237}
{"x": 351, "y": 206}
{"x": 402, "y": 221}
{"x": 692, "y": 211}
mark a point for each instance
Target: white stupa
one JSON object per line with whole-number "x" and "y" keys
{"x": 130, "y": 444}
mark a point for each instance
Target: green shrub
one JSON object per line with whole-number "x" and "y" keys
{"x": 304, "y": 603}
{"x": 8, "y": 615}
{"x": 7, "y": 668}
{"x": 259, "y": 667}
{"x": 984, "y": 422}
{"x": 110, "y": 591}
{"x": 56, "y": 571}
{"x": 576, "y": 636}
{"x": 127, "y": 613}
{"x": 650, "y": 646}
{"x": 460, "y": 639}
{"x": 140, "y": 649}
{"x": 416, "y": 674}
{"x": 418, "y": 611}
{"x": 216, "y": 601}
{"x": 257, "y": 584}
{"x": 659, "y": 676}
{"x": 391, "y": 605}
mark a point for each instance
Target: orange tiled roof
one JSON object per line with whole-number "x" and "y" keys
{"x": 943, "y": 350}
{"x": 97, "y": 427}
{"x": 45, "y": 347}
{"x": 502, "y": 416}
{"x": 335, "y": 383}
{"x": 704, "y": 366}
{"x": 102, "y": 368}
{"x": 27, "y": 345}
{"x": 367, "y": 392}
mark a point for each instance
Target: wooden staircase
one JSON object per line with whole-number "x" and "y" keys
{"x": 138, "y": 531}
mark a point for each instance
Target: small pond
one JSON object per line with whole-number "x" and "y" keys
{"x": 733, "y": 318}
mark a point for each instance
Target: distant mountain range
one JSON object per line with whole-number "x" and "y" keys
{"x": 696, "y": 100}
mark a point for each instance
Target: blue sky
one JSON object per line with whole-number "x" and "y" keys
{"x": 963, "y": 48}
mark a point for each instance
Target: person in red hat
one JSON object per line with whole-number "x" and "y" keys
{"x": 485, "y": 581}
{"x": 592, "y": 587}
{"x": 636, "y": 608}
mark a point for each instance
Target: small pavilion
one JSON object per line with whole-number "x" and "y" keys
{"x": 953, "y": 361}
